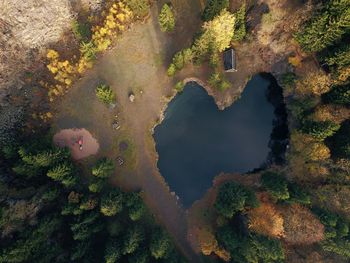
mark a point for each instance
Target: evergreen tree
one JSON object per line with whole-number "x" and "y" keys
{"x": 105, "y": 94}
{"x": 240, "y": 26}
{"x": 338, "y": 95}
{"x": 213, "y": 8}
{"x": 319, "y": 129}
{"x": 233, "y": 198}
{"x": 113, "y": 251}
{"x": 112, "y": 202}
{"x": 133, "y": 238}
{"x": 104, "y": 168}
{"x": 339, "y": 57}
{"x": 276, "y": 185}
{"x": 166, "y": 19}
{"x": 340, "y": 142}
{"x": 160, "y": 244}
{"x": 327, "y": 27}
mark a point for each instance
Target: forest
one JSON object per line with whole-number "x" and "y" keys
{"x": 56, "y": 209}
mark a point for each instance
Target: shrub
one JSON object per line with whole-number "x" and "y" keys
{"x": 171, "y": 70}
{"x": 166, "y": 19}
{"x": 217, "y": 81}
{"x": 105, "y": 94}
{"x": 179, "y": 86}
{"x": 88, "y": 50}
{"x": 81, "y": 31}
{"x": 139, "y": 8}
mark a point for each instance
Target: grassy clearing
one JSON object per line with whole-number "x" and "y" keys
{"x": 129, "y": 154}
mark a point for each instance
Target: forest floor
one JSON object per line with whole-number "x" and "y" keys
{"x": 138, "y": 64}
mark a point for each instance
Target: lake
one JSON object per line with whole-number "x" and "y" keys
{"x": 196, "y": 141}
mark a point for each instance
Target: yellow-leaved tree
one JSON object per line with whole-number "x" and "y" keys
{"x": 217, "y": 34}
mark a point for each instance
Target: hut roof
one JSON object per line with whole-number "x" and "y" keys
{"x": 230, "y": 60}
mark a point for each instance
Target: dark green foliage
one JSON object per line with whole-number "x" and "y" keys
{"x": 245, "y": 247}
{"x": 11, "y": 120}
{"x": 63, "y": 173}
{"x": 133, "y": 239}
{"x": 320, "y": 129}
{"x": 104, "y": 168}
{"x": 86, "y": 225}
{"x": 113, "y": 251}
{"x": 213, "y": 8}
{"x": 80, "y": 233}
{"x": 166, "y": 19}
{"x": 140, "y": 256}
{"x": 298, "y": 195}
{"x": 337, "y": 236}
{"x": 339, "y": 57}
{"x": 338, "y": 95}
{"x": 276, "y": 185}
{"x": 233, "y": 198}
{"x": 80, "y": 249}
{"x": 160, "y": 244}
{"x": 135, "y": 205}
{"x": 288, "y": 79}
{"x": 97, "y": 185}
{"x": 81, "y": 31}
{"x": 140, "y": 8}
{"x": 340, "y": 142}
{"x": 326, "y": 27}
{"x": 31, "y": 243}
{"x": 112, "y": 202}
{"x": 240, "y": 26}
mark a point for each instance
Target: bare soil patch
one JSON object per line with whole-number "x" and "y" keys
{"x": 80, "y": 142}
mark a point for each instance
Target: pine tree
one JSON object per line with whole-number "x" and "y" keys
{"x": 104, "y": 168}
{"x": 112, "y": 202}
{"x": 166, "y": 19}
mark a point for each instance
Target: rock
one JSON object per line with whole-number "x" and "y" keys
{"x": 132, "y": 97}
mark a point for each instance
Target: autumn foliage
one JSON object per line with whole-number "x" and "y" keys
{"x": 301, "y": 226}
{"x": 266, "y": 220}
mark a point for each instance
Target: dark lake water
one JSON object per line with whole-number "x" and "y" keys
{"x": 196, "y": 141}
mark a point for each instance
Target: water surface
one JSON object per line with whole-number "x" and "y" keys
{"x": 196, "y": 141}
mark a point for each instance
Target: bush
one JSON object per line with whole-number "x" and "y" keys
{"x": 217, "y": 81}
{"x": 166, "y": 19}
{"x": 81, "y": 31}
{"x": 105, "y": 94}
{"x": 213, "y": 8}
{"x": 88, "y": 50}
{"x": 179, "y": 86}
{"x": 171, "y": 70}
